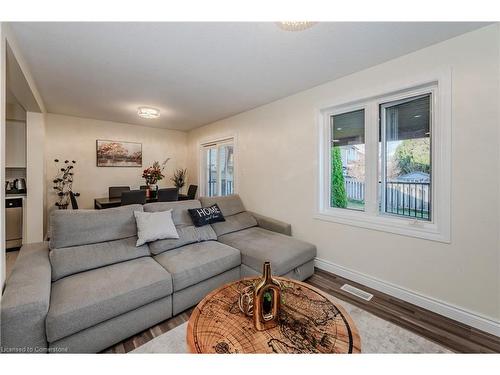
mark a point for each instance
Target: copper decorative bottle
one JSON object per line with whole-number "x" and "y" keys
{"x": 266, "y": 301}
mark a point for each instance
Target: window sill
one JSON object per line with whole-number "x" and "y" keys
{"x": 401, "y": 226}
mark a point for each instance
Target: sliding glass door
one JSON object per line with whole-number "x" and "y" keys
{"x": 218, "y": 168}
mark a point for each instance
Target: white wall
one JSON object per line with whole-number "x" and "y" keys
{"x": 276, "y": 146}
{"x": 75, "y": 138}
{"x": 35, "y": 178}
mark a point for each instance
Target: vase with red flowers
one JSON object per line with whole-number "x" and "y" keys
{"x": 152, "y": 175}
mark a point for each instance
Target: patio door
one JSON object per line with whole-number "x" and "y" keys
{"x": 218, "y": 168}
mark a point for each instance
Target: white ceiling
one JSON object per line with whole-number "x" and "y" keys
{"x": 196, "y": 73}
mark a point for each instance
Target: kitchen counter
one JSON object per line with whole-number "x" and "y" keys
{"x": 15, "y": 195}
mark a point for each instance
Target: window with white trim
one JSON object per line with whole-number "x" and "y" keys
{"x": 347, "y": 159}
{"x": 384, "y": 162}
{"x": 405, "y": 170}
{"x": 217, "y": 168}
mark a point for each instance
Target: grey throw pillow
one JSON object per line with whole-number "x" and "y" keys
{"x": 152, "y": 226}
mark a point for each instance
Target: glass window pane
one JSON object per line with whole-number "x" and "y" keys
{"x": 226, "y": 165}
{"x": 219, "y": 172}
{"x": 407, "y": 158}
{"x": 348, "y": 160}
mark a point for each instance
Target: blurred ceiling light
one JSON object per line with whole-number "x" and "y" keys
{"x": 295, "y": 25}
{"x": 148, "y": 112}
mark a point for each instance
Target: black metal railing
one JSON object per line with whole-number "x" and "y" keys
{"x": 412, "y": 199}
{"x": 226, "y": 187}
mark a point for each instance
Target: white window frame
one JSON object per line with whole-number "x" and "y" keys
{"x": 202, "y": 172}
{"x": 439, "y": 228}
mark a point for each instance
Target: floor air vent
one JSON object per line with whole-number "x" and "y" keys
{"x": 357, "y": 292}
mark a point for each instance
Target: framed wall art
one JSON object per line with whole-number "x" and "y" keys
{"x": 118, "y": 154}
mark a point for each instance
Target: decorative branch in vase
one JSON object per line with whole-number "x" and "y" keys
{"x": 179, "y": 178}
{"x": 63, "y": 183}
{"x": 154, "y": 174}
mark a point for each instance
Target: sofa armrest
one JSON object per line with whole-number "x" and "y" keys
{"x": 273, "y": 224}
{"x": 25, "y": 301}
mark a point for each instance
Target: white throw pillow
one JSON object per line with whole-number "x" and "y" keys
{"x": 152, "y": 226}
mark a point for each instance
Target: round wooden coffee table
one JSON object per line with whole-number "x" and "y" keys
{"x": 310, "y": 322}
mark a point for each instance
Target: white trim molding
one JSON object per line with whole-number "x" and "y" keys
{"x": 459, "y": 314}
{"x": 3, "y": 79}
{"x": 439, "y": 228}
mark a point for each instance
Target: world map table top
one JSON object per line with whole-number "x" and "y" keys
{"x": 310, "y": 322}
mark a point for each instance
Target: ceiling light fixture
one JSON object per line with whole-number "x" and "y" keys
{"x": 148, "y": 112}
{"x": 295, "y": 25}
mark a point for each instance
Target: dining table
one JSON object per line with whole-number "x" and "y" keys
{"x": 107, "y": 202}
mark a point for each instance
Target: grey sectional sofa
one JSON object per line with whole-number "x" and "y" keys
{"x": 90, "y": 287}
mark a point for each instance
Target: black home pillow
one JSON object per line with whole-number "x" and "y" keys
{"x": 206, "y": 215}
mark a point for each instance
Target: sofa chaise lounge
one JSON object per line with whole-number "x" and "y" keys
{"x": 90, "y": 287}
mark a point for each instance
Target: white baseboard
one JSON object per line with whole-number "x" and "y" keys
{"x": 470, "y": 318}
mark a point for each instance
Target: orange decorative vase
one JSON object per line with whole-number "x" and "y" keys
{"x": 266, "y": 301}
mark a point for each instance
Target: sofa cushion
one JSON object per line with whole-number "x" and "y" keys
{"x": 88, "y": 298}
{"x": 179, "y": 209}
{"x": 234, "y": 223}
{"x": 70, "y": 260}
{"x": 228, "y": 204}
{"x": 25, "y": 301}
{"x": 197, "y": 262}
{"x": 258, "y": 245}
{"x": 237, "y": 218}
{"x": 188, "y": 233}
{"x": 82, "y": 227}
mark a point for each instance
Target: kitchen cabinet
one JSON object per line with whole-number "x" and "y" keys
{"x": 15, "y": 144}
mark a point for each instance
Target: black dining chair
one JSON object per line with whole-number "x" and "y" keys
{"x": 116, "y": 191}
{"x": 192, "y": 191}
{"x": 168, "y": 195}
{"x": 74, "y": 203}
{"x": 133, "y": 197}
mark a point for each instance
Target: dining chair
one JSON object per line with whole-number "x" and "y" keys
{"x": 192, "y": 191}
{"x": 116, "y": 191}
{"x": 133, "y": 197}
{"x": 168, "y": 195}
{"x": 74, "y": 203}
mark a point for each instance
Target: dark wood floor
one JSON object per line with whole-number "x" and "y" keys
{"x": 454, "y": 335}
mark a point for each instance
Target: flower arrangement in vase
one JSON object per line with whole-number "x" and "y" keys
{"x": 154, "y": 174}
{"x": 179, "y": 178}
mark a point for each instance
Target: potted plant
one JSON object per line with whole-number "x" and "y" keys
{"x": 63, "y": 183}
{"x": 179, "y": 178}
{"x": 154, "y": 174}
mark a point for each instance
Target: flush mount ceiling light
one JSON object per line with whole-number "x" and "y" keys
{"x": 295, "y": 25}
{"x": 148, "y": 112}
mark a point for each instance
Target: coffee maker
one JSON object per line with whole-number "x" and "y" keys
{"x": 17, "y": 186}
